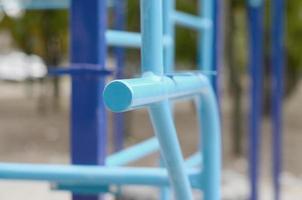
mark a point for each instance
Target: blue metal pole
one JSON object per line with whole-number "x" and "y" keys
{"x": 88, "y": 116}
{"x": 90, "y": 175}
{"x": 217, "y": 44}
{"x": 162, "y": 121}
{"x": 169, "y": 62}
{"x": 206, "y": 36}
{"x": 119, "y": 21}
{"x": 255, "y": 18}
{"x": 277, "y": 90}
{"x": 161, "y": 115}
{"x": 123, "y": 39}
{"x": 169, "y": 32}
{"x": 210, "y": 143}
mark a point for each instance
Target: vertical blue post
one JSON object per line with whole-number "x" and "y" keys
{"x": 88, "y": 116}
{"x": 169, "y": 61}
{"x": 255, "y": 18}
{"x": 161, "y": 115}
{"x": 206, "y": 36}
{"x": 277, "y": 90}
{"x": 119, "y": 23}
{"x": 217, "y": 44}
{"x": 210, "y": 144}
{"x": 169, "y": 32}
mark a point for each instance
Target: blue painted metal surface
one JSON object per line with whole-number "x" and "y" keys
{"x": 152, "y": 61}
{"x": 137, "y": 152}
{"x": 164, "y": 127}
{"x": 169, "y": 31}
{"x": 255, "y": 19}
{"x": 277, "y": 90}
{"x": 210, "y": 141}
{"x": 35, "y": 4}
{"x": 127, "y": 94}
{"x": 119, "y": 24}
{"x": 206, "y": 37}
{"x": 90, "y": 175}
{"x": 217, "y": 59}
{"x": 191, "y": 21}
{"x": 153, "y": 91}
{"x": 39, "y": 4}
{"x": 123, "y": 39}
{"x": 88, "y": 115}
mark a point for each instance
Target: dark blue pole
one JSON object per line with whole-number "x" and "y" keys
{"x": 255, "y": 18}
{"x": 119, "y": 23}
{"x": 88, "y": 116}
{"x": 277, "y": 89}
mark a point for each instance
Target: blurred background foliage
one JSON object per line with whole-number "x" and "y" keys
{"x": 45, "y": 33}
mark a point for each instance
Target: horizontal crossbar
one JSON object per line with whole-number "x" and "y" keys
{"x": 191, "y": 21}
{"x": 128, "y": 39}
{"x": 40, "y": 4}
{"x": 91, "y": 175}
{"x": 127, "y": 94}
{"x": 136, "y": 152}
{"x": 194, "y": 160}
{"x": 123, "y": 39}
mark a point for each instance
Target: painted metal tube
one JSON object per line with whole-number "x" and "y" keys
{"x": 129, "y": 39}
{"x": 191, "y": 21}
{"x": 88, "y": 175}
{"x": 194, "y": 160}
{"x": 123, "y": 39}
{"x": 88, "y": 120}
{"x": 277, "y": 61}
{"x": 80, "y": 189}
{"x": 152, "y": 36}
{"x": 160, "y": 113}
{"x": 217, "y": 45}
{"x": 206, "y": 37}
{"x": 255, "y": 22}
{"x": 40, "y": 4}
{"x": 123, "y": 95}
{"x": 210, "y": 141}
{"x": 137, "y": 152}
{"x": 164, "y": 128}
{"x": 35, "y": 5}
{"x": 169, "y": 31}
{"x": 119, "y": 130}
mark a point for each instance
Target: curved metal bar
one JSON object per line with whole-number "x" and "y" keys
{"x": 210, "y": 141}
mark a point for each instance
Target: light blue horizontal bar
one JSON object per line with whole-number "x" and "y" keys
{"x": 35, "y": 4}
{"x": 137, "y": 152}
{"x": 81, "y": 189}
{"x": 194, "y": 160}
{"x": 123, "y": 39}
{"x": 90, "y": 175}
{"x": 127, "y": 94}
{"x": 128, "y": 39}
{"x": 191, "y": 21}
{"x": 40, "y": 4}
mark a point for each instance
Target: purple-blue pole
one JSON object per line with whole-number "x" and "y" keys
{"x": 255, "y": 18}
{"x": 277, "y": 90}
{"x": 119, "y": 24}
{"x": 88, "y": 116}
{"x": 218, "y": 48}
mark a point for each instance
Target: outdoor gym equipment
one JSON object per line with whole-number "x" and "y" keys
{"x": 256, "y": 64}
{"x": 88, "y": 118}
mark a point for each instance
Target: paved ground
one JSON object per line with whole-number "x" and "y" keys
{"x": 27, "y": 135}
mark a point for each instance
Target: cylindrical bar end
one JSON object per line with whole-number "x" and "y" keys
{"x": 117, "y": 96}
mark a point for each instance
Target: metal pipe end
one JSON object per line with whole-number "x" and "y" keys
{"x": 117, "y": 96}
